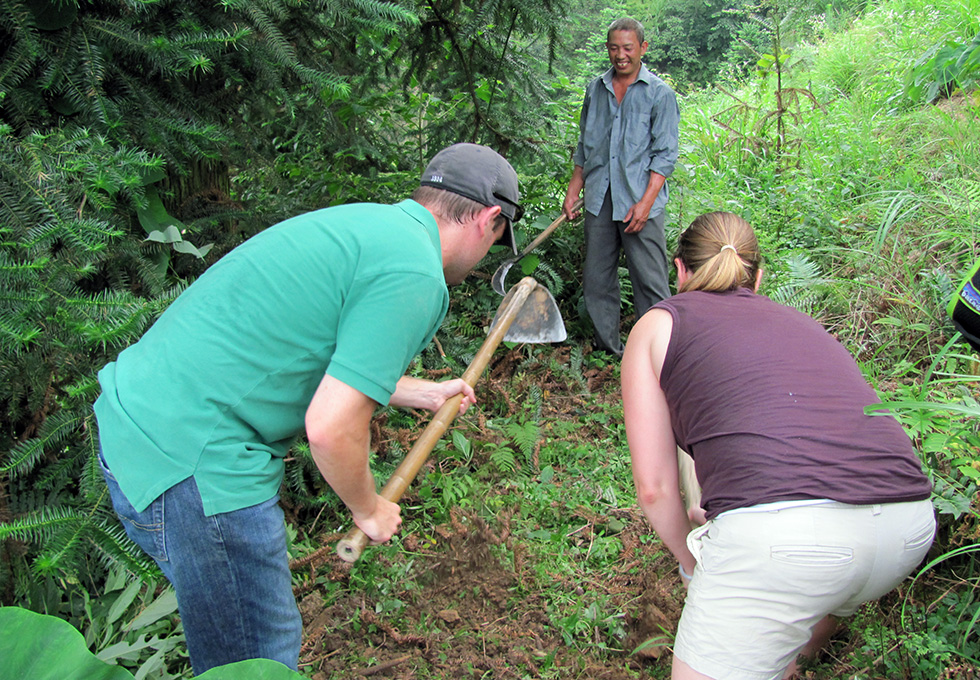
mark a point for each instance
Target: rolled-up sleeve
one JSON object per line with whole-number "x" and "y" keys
{"x": 664, "y": 124}
{"x": 578, "y": 158}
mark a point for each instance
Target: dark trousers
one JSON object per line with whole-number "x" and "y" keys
{"x": 646, "y": 260}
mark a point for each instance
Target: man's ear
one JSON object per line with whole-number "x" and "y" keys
{"x": 487, "y": 218}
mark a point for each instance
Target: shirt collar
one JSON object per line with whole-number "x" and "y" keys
{"x": 643, "y": 75}
{"x": 422, "y": 215}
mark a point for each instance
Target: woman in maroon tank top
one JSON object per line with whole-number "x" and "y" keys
{"x": 811, "y": 507}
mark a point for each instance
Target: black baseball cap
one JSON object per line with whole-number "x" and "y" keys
{"x": 480, "y": 174}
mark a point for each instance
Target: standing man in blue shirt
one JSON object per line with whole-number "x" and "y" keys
{"x": 627, "y": 149}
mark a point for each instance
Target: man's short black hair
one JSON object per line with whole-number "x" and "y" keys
{"x": 627, "y": 24}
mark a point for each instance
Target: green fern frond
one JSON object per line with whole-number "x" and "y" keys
{"x": 802, "y": 285}
{"x": 41, "y": 525}
{"x": 525, "y": 436}
{"x": 23, "y": 457}
{"x": 56, "y": 430}
{"x": 17, "y": 333}
{"x": 535, "y": 399}
{"x": 114, "y": 548}
{"x": 384, "y": 17}
{"x": 108, "y": 319}
{"x": 90, "y": 480}
{"x": 552, "y": 278}
{"x": 960, "y": 194}
{"x": 503, "y": 459}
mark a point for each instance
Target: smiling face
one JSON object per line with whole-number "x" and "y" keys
{"x": 625, "y": 51}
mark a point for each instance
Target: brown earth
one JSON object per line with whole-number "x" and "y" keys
{"x": 470, "y": 612}
{"x": 470, "y": 615}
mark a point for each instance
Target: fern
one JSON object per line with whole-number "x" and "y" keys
{"x": 801, "y": 286}
{"x": 525, "y": 437}
{"x": 503, "y": 460}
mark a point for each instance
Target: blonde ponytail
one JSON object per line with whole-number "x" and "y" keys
{"x": 720, "y": 251}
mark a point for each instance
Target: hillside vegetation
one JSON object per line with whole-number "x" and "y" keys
{"x": 847, "y": 135}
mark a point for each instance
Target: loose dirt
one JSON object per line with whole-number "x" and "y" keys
{"x": 469, "y": 614}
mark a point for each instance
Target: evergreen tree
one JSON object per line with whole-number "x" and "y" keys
{"x": 106, "y": 111}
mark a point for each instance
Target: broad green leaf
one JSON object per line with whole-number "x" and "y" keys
{"x": 169, "y": 235}
{"x": 190, "y": 249}
{"x": 122, "y": 602}
{"x": 114, "y": 651}
{"x": 164, "y": 605}
{"x": 529, "y": 263}
{"x": 42, "y": 647}
{"x": 615, "y": 525}
{"x": 483, "y": 91}
{"x": 154, "y": 216}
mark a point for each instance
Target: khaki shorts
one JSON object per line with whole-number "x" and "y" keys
{"x": 764, "y": 579}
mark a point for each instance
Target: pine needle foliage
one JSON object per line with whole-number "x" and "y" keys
{"x": 190, "y": 80}
{"x": 490, "y": 51}
{"x": 63, "y": 205}
{"x": 99, "y": 101}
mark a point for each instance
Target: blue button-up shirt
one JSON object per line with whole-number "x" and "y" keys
{"x": 620, "y": 144}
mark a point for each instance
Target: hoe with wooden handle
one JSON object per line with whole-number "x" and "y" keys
{"x": 499, "y": 276}
{"x": 528, "y": 313}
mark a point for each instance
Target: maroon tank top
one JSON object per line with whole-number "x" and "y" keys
{"x": 771, "y": 407}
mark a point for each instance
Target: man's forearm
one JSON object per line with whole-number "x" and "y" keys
{"x": 418, "y": 393}
{"x": 654, "y": 185}
{"x": 575, "y": 186}
{"x": 344, "y": 466}
{"x": 639, "y": 213}
{"x": 409, "y": 392}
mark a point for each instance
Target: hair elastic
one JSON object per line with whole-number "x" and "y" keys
{"x": 729, "y": 245}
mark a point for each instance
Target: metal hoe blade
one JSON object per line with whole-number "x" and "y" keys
{"x": 499, "y": 276}
{"x": 537, "y": 321}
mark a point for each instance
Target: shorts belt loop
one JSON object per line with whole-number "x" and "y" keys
{"x": 876, "y": 509}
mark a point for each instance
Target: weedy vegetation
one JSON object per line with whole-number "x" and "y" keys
{"x": 847, "y": 134}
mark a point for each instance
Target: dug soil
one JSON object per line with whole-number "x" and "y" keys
{"x": 472, "y": 603}
{"x": 467, "y": 614}
{"x": 470, "y": 607}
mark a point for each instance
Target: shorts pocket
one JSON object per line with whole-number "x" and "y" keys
{"x": 812, "y": 556}
{"x": 922, "y": 540}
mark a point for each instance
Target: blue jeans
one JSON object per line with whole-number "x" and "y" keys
{"x": 230, "y": 572}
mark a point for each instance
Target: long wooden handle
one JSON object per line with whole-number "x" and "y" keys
{"x": 547, "y": 232}
{"x": 352, "y": 544}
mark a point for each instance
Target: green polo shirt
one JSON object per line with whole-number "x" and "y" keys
{"x": 218, "y": 387}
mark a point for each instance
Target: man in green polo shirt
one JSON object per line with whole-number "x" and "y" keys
{"x": 303, "y": 329}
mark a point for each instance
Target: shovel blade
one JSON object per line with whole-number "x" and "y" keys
{"x": 537, "y": 321}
